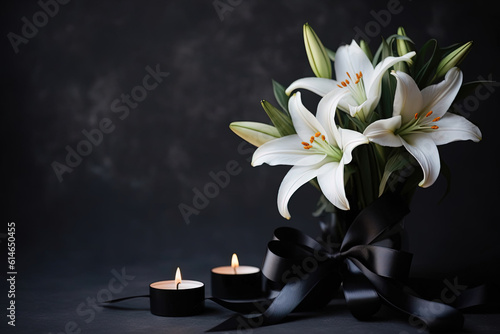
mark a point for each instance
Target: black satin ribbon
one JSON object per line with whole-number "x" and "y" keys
{"x": 112, "y": 301}
{"x": 371, "y": 274}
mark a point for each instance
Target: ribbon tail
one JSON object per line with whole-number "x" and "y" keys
{"x": 110, "y": 304}
{"x": 122, "y": 299}
{"x": 244, "y": 306}
{"x": 432, "y": 315}
{"x": 288, "y": 299}
{"x": 485, "y": 296}
{"x": 361, "y": 297}
{"x": 238, "y": 322}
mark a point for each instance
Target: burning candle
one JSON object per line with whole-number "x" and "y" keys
{"x": 236, "y": 282}
{"x": 177, "y": 298}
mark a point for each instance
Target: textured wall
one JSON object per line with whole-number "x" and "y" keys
{"x": 83, "y": 68}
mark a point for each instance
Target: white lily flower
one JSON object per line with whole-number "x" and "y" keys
{"x": 361, "y": 80}
{"x": 420, "y": 121}
{"x": 315, "y": 151}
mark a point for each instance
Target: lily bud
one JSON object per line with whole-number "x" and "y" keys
{"x": 453, "y": 59}
{"x": 366, "y": 49}
{"x": 255, "y": 133}
{"x": 316, "y": 53}
{"x": 403, "y": 46}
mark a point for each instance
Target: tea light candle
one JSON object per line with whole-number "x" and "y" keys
{"x": 177, "y": 298}
{"x": 236, "y": 282}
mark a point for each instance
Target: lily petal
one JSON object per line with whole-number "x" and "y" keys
{"x": 347, "y": 102}
{"x": 355, "y": 109}
{"x": 293, "y": 180}
{"x": 351, "y": 58}
{"x": 408, "y": 98}
{"x": 285, "y": 151}
{"x": 425, "y": 151}
{"x": 382, "y": 132}
{"x": 454, "y": 127}
{"x": 326, "y": 114}
{"x": 373, "y": 83}
{"x": 439, "y": 97}
{"x": 349, "y": 141}
{"x": 331, "y": 181}
{"x": 365, "y": 107}
{"x": 304, "y": 122}
{"x": 320, "y": 86}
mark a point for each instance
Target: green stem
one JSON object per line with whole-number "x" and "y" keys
{"x": 380, "y": 161}
{"x": 364, "y": 181}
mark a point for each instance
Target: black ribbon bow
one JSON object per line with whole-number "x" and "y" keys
{"x": 307, "y": 272}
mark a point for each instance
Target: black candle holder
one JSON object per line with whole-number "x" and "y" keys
{"x": 170, "y": 300}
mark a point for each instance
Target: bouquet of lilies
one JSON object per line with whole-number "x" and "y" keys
{"x": 381, "y": 114}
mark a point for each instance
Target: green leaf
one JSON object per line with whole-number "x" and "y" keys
{"x": 386, "y": 49}
{"x": 425, "y": 64}
{"x": 280, "y": 95}
{"x": 400, "y": 46}
{"x": 378, "y": 54}
{"x": 359, "y": 125}
{"x": 396, "y": 162}
{"x": 281, "y": 121}
{"x": 387, "y": 98}
{"x": 388, "y": 86}
{"x": 449, "y": 49}
{"x": 394, "y": 37}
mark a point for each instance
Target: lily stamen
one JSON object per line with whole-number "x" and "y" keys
{"x": 358, "y": 77}
{"x": 358, "y": 91}
{"x": 322, "y": 145}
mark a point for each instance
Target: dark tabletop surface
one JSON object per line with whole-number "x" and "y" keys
{"x": 66, "y": 303}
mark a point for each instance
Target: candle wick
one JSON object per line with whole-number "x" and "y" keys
{"x": 177, "y": 286}
{"x": 235, "y": 271}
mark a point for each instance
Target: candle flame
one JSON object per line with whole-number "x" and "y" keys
{"x": 178, "y": 277}
{"x": 234, "y": 261}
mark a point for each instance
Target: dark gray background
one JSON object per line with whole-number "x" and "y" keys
{"x": 119, "y": 207}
